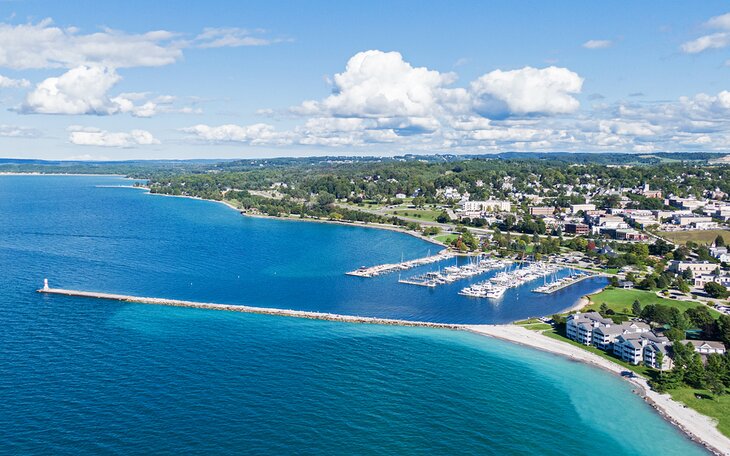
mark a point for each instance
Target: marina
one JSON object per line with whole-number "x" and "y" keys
{"x": 479, "y": 265}
{"x": 374, "y": 271}
{"x": 495, "y": 287}
{"x": 557, "y": 284}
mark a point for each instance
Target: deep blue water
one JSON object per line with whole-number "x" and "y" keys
{"x": 122, "y": 240}
{"x": 80, "y": 376}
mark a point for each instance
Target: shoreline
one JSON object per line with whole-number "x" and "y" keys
{"x": 699, "y": 428}
{"x": 310, "y": 220}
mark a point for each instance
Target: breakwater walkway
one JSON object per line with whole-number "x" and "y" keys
{"x": 246, "y": 309}
{"x": 380, "y": 269}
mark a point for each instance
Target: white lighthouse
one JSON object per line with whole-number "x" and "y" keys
{"x": 45, "y": 284}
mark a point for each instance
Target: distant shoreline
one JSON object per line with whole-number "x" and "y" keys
{"x": 311, "y": 220}
{"x": 124, "y": 176}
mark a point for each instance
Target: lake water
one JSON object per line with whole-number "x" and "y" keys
{"x": 81, "y": 376}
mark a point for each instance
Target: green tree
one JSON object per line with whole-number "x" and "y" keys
{"x": 716, "y": 290}
{"x": 604, "y": 309}
{"x": 636, "y": 307}
{"x": 720, "y": 241}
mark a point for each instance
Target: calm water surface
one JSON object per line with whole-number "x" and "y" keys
{"x": 81, "y": 376}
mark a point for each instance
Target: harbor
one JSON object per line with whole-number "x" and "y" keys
{"x": 476, "y": 266}
{"x": 557, "y": 284}
{"x": 495, "y": 287}
{"x": 374, "y": 271}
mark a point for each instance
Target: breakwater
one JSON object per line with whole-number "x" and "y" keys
{"x": 246, "y": 309}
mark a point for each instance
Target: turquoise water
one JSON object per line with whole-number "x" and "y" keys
{"x": 80, "y": 376}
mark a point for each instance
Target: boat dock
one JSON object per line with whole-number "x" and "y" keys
{"x": 454, "y": 273}
{"x": 374, "y": 271}
{"x": 246, "y": 309}
{"x": 562, "y": 283}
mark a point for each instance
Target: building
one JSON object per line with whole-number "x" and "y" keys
{"x": 630, "y": 235}
{"x": 652, "y": 356}
{"x": 707, "y": 347}
{"x": 579, "y": 327}
{"x": 647, "y": 192}
{"x": 689, "y": 204}
{"x": 631, "y": 347}
{"x": 574, "y": 208}
{"x": 541, "y": 211}
{"x": 697, "y": 267}
{"x": 632, "y": 341}
{"x": 577, "y": 228}
{"x": 701, "y": 280}
{"x": 486, "y": 206}
{"x": 721, "y": 253}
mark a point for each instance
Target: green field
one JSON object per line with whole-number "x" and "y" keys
{"x": 446, "y": 238}
{"x": 707, "y": 404}
{"x": 423, "y": 214}
{"x": 700, "y": 237}
{"x": 618, "y": 299}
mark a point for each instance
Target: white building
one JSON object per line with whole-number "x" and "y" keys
{"x": 697, "y": 267}
{"x": 582, "y": 207}
{"x": 486, "y": 206}
{"x": 707, "y": 347}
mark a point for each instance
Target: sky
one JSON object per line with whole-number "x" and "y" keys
{"x": 100, "y": 80}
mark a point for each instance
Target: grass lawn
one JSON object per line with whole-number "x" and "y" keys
{"x": 641, "y": 370}
{"x": 715, "y": 407}
{"x": 424, "y": 214}
{"x": 701, "y": 236}
{"x": 446, "y": 238}
{"x": 618, "y": 299}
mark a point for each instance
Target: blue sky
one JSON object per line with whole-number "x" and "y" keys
{"x": 118, "y": 80}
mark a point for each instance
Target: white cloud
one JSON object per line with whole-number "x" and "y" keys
{"x": 84, "y": 90}
{"x": 9, "y": 83}
{"x": 231, "y": 37}
{"x": 43, "y": 45}
{"x": 257, "y": 134}
{"x": 378, "y": 84}
{"x": 597, "y": 44}
{"x": 85, "y": 136}
{"x": 719, "y": 22}
{"x": 527, "y": 91}
{"x": 716, "y": 40}
{"x": 13, "y": 131}
{"x": 81, "y": 90}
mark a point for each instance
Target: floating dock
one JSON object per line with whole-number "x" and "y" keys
{"x": 245, "y": 309}
{"x": 381, "y": 269}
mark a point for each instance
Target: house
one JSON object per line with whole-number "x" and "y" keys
{"x": 626, "y": 284}
{"x": 400, "y": 195}
{"x": 707, "y": 347}
{"x": 630, "y": 235}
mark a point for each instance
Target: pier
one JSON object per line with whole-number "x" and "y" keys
{"x": 562, "y": 283}
{"x": 381, "y": 269}
{"x": 245, "y": 309}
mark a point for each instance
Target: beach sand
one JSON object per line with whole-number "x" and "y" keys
{"x": 699, "y": 428}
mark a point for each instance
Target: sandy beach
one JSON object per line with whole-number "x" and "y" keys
{"x": 699, "y": 428}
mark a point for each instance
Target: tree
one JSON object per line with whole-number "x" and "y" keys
{"x": 716, "y": 290}
{"x": 701, "y": 318}
{"x": 674, "y": 334}
{"x": 682, "y": 285}
{"x": 443, "y": 217}
{"x": 719, "y": 241}
{"x": 636, "y": 307}
{"x": 604, "y": 309}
